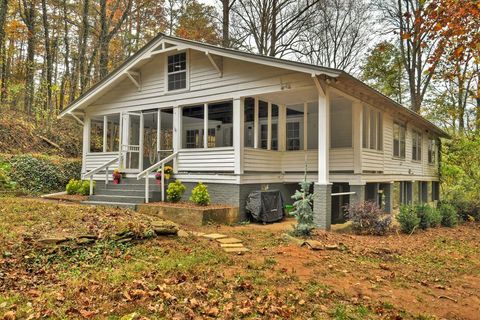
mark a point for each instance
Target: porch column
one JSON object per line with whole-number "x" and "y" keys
{"x": 85, "y": 142}
{"x": 359, "y": 195}
{"x": 282, "y": 127}
{"x": 357, "y": 117}
{"x": 238, "y": 133}
{"x": 177, "y": 134}
{"x": 323, "y": 189}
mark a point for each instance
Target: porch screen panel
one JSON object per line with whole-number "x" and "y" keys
{"x": 294, "y": 134}
{"x": 192, "y": 126}
{"x": 249, "y": 118}
{"x": 274, "y": 143}
{"x": 220, "y": 124}
{"x": 150, "y": 126}
{"x": 96, "y": 134}
{"x": 263, "y": 124}
{"x": 341, "y": 125}
{"x": 166, "y": 133}
{"x": 113, "y": 132}
{"x": 312, "y": 126}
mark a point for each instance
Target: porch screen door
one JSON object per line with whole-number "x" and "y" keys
{"x": 132, "y": 141}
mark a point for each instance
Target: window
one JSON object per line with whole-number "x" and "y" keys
{"x": 293, "y": 136}
{"x": 372, "y": 124}
{"x": 177, "y": 71}
{"x": 105, "y": 133}
{"x": 398, "y": 140}
{"x": 432, "y": 151}
{"x": 416, "y": 145}
{"x": 218, "y": 127}
{"x": 341, "y": 125}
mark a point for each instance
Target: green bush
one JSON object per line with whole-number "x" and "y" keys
{"x": 6, "y": 184}
{"x": 175, "y": 191}
{"x": 426, "y": 215}
{"x": 408, "y": 219}
{"x": 448, "y": 214}
{"x": 200, "y": 195}
{"x": 79, "y": 187}
{"x": 436, "y": 218}
{"x": 73, "y": 186}
{"x": 368, "y": 218}
{"x": 36, "y": 174}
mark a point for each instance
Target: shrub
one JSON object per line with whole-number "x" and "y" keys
{"x": 35, "y": 174}
{"x": 368, "y": 218}
{"x": 175, "y": 191}
{"x": 200, "y": 195}
{"x": 448, "y": 214}
{"x": 426, "y": 215}
{"x": 408, "y": 219}
{"x": 79, "y": 187}
{"x": 303, "y": 211}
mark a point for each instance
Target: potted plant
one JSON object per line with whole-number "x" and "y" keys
{"x": 168, "y": 171}
{"x": 117, "y": 176}
{"x": 158, "y": 176}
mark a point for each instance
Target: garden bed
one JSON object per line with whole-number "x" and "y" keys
{"x": 191, "y": 214}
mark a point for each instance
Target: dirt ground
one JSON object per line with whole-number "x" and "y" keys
{"x": 433, "y": 274}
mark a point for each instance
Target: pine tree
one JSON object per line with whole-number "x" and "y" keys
{"x": 303, "y": 212}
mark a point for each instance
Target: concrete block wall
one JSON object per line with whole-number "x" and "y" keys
{"x": 322, "y": 206}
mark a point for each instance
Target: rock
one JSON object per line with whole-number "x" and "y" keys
{"x": 229, "y": 240}
{"x": 84, "y": 241}
{"x": 231, "y": 245}
{"x": 214, "y": 236}
{"x": 236, "y": 250}
{"x": 165, "y": 228}
{"x": 313, "y": 245}
{"x": 53, "y": 240}
{"x": 183, "y": 233}
{"x": 88, "y": 236}
{"x": 331, "y": 247}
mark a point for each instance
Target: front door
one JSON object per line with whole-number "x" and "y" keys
{"x": 132, "y": 141}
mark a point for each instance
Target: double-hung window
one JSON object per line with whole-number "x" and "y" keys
{"x": 432, "y": 150}
{"x": 177, "y": 71}
{"x": 372, "y": 128}
{"x": 399, "y": 140}
{"x": 416, "y": 145}
{"x": 293, "y": 136}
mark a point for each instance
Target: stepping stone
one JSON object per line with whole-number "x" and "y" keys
{"x": 214, "y": 236}
{"x": 229, "y": 240}
{"x": 236, "y": 250}
{"x": 183, "y": 233}
{"x": 198, "y": 234}
{"x": 231, "y": 245}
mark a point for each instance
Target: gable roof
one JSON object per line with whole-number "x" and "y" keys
{"x": 149, "y": 50}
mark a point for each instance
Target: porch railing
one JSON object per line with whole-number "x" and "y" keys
{"x": 105, "y": 166}
{"x": 145, "y": 173}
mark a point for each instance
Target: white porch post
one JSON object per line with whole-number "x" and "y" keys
{"x": 177, "y": 134}
{"x": 238, "y": 133}
{"x": 205, "y": 125}
{"x": 323, "y": 189}
{"x": 86, "y": 143}
{"x": 305, "y": 126}
{"x": 255, "y": 124}
{"x": 323, "y": 135}
{"x": 269, "y": 126}
{"x": 282, "y": 127}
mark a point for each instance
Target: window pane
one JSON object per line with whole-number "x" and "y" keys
{"x": 340, "y": 128}
{"x": 293, "y": 135}
{"x": 192, "y": 126}
{"x": 274, "y": 145}
{"x": 380, "y": 131}
{"x": 220, "y": 124}
{"x": 96, "y": 134}
{"x": 402, "y": 141}
{"x": 365, "y": 129}
{"x": 373, "y": 129}
{"x": 177, "y": 81}
{"x": 263, "y": 119}
{"x": 249, "y": 122}
{"x": 113, "y": 132}
{"x": 396, "y": 140}
{"x": 177, "y": 62}
{"x": 312, "y": 126}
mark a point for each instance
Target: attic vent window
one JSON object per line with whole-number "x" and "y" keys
{"x": 177, "y": 71}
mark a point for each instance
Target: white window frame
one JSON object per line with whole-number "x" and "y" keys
{"x": 367, "y": 128}
{"x": 432, "y": 151}
{"x": 417, "y": 136}
{"x": 187, "y": 72}
{"x": 104, "y": 134}
{"x": 297, "y": 137}
{"x": 400, "y": 155}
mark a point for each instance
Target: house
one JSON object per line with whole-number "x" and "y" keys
{"x": 241, "y": 122}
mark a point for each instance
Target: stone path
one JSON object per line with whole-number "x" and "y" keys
{"x": 228, "y": 244}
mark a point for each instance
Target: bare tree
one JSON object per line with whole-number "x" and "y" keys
{"x": 28, "y": 16}
{"x": 339, "y": 34}
{"x": 227, "y": 6}
{"x": 405, "y": 19}
{"x": 271, "y": 27}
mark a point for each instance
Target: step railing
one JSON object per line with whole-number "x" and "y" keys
{"x": 105, "y": 166}
{"x": 145, "y": 173}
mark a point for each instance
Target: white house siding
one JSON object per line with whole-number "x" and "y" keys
{"x": 405, "y": 169}
{"x": 206, "y": 160}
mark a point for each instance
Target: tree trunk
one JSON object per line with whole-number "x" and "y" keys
{"x": 29, "y": 20}
{"x": 226, "y": 23}
{"x": 82, "y": 58}
{"x": 3, "y": 54}
{"x": 48, "y": 58}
